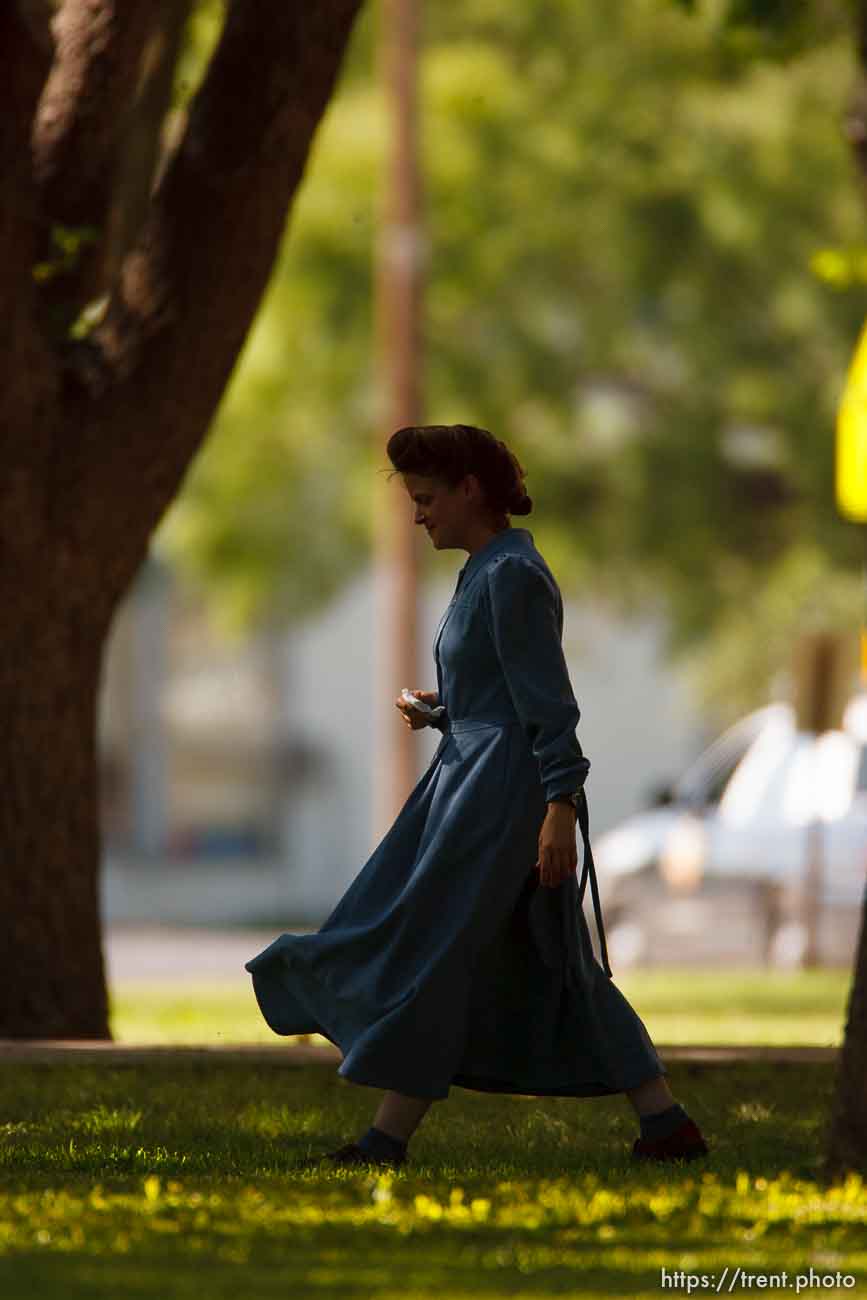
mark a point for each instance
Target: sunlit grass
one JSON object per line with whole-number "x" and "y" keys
{"x": 173, "y": 1181}
{"x": 678, "y": 1005}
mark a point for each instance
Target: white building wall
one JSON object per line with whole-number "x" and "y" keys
{"x": 638, "y": 727}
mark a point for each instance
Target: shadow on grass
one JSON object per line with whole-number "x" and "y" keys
{"x": 232, "y": 1120}
{"x": 378, "y": 1262}
{"x": 170, "y": 1182}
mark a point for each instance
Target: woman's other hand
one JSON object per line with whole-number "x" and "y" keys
{"x": 558, "y": 850}
{"x": 411, "y": 716}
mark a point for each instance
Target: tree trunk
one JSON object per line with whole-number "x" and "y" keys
{"x": 96, "y": 434}
{"x": 846, "y": 1143}
{"x": 846, "y": 1146}
{"x": 52, "y": 982}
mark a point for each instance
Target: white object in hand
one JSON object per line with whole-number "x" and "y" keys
{"x": 420, "y": 704}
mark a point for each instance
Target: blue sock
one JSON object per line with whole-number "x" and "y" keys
{"x": 381, "y": 1146}
{"x": 663, "y": 1122}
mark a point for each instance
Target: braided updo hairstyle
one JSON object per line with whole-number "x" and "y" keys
{"x": 451, "y": 451}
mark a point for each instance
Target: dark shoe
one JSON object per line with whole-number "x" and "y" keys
{"x": 685, "y": 1143}
{"x": 352, "y": 1154}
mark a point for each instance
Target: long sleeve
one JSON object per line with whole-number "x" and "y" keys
{"x": 526, "y": 624}
{"x": 441, "y": 722}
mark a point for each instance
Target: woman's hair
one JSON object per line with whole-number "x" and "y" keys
{"x": 451, "y": 451}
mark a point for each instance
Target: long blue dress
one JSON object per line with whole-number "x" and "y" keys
{"x": 446, "y": 961}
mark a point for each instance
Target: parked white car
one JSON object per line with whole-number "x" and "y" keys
{"x": 764, "y": 820}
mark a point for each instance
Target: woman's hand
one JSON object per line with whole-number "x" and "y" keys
{"x": 558, "y": 850}
{"x": 411, "y": 716}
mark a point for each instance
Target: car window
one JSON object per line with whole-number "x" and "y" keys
{"x": 722, "y": 774}
{"x": 705, "y": 781}
{"x": 778, "y": 757}
{"x": 861, "y": 772}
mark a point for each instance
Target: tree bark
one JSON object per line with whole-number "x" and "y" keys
{"x": 53, "y": 980}
{"x": 96, "y": 434}
{"x": 846, "y": 1142}
{"x": 846, "y": 1146}
{"x": 96, "y": 138}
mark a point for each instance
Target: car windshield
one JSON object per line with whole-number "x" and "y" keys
{"x": 861, "y": 776}
{"x": 705, "y": 780}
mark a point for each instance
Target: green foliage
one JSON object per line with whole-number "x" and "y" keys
{"x": 624, "y": 280}
{"x": 774, "y": 27}
{"x": 67, "y": 243}
{"x": 766, "y": 12}
{"x": 175, "y": 1181}
{"x": 203, "y": 31}
{"x": 841, "y": 268}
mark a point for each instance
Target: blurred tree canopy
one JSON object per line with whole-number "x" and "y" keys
{"x": 773, "y": 28}
{"x": 636, "y": 215}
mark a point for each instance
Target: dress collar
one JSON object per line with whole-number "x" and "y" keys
{"x": 507, "y": 539}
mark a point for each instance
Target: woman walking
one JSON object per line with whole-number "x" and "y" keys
{"x": 460, "y": 953}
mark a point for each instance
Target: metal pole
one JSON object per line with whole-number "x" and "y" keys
{"x": 398, "y": 312}
{"x": 823, "y": 674}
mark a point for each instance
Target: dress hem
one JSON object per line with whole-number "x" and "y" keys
{"x": 484, "y": 1083}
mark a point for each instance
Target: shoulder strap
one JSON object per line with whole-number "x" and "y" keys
{"x": 589, "y": 868}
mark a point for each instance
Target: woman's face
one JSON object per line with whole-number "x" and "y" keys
{"x": 447, "y": 513}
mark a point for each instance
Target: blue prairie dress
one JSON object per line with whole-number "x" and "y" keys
{"x": 446, "y": 961}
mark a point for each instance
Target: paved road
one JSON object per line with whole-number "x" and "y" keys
{"x": 154, "y": 953}
{"x": 173, "y": 952}
{"x": 58, "y": 1051}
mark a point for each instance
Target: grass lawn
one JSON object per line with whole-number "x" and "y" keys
{"x": 677, "y": 1005}
{"x": 177, "y": 1180}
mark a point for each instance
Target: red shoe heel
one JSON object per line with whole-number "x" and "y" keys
{"x": 685, "y": 1143}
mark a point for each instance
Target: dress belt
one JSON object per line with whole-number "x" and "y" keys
{"x": 467, "y": 724}
{"x": 589, "y": 868}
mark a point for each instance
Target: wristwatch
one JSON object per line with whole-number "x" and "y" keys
{"x": 565, "y": 798}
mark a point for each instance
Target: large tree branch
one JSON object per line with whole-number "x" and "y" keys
{"x": 26, "y": 62}
{"x": 855, "y": 122}
{"x": 109, "y": 89}
{"x": 143, "y": 142}
{"x": 83, "y": 112}
{"x": 846, "y": 1140}
{"x": 36, "y": 16}
{"x": 28, "y": 374}
{"x": 189, "y": 290}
